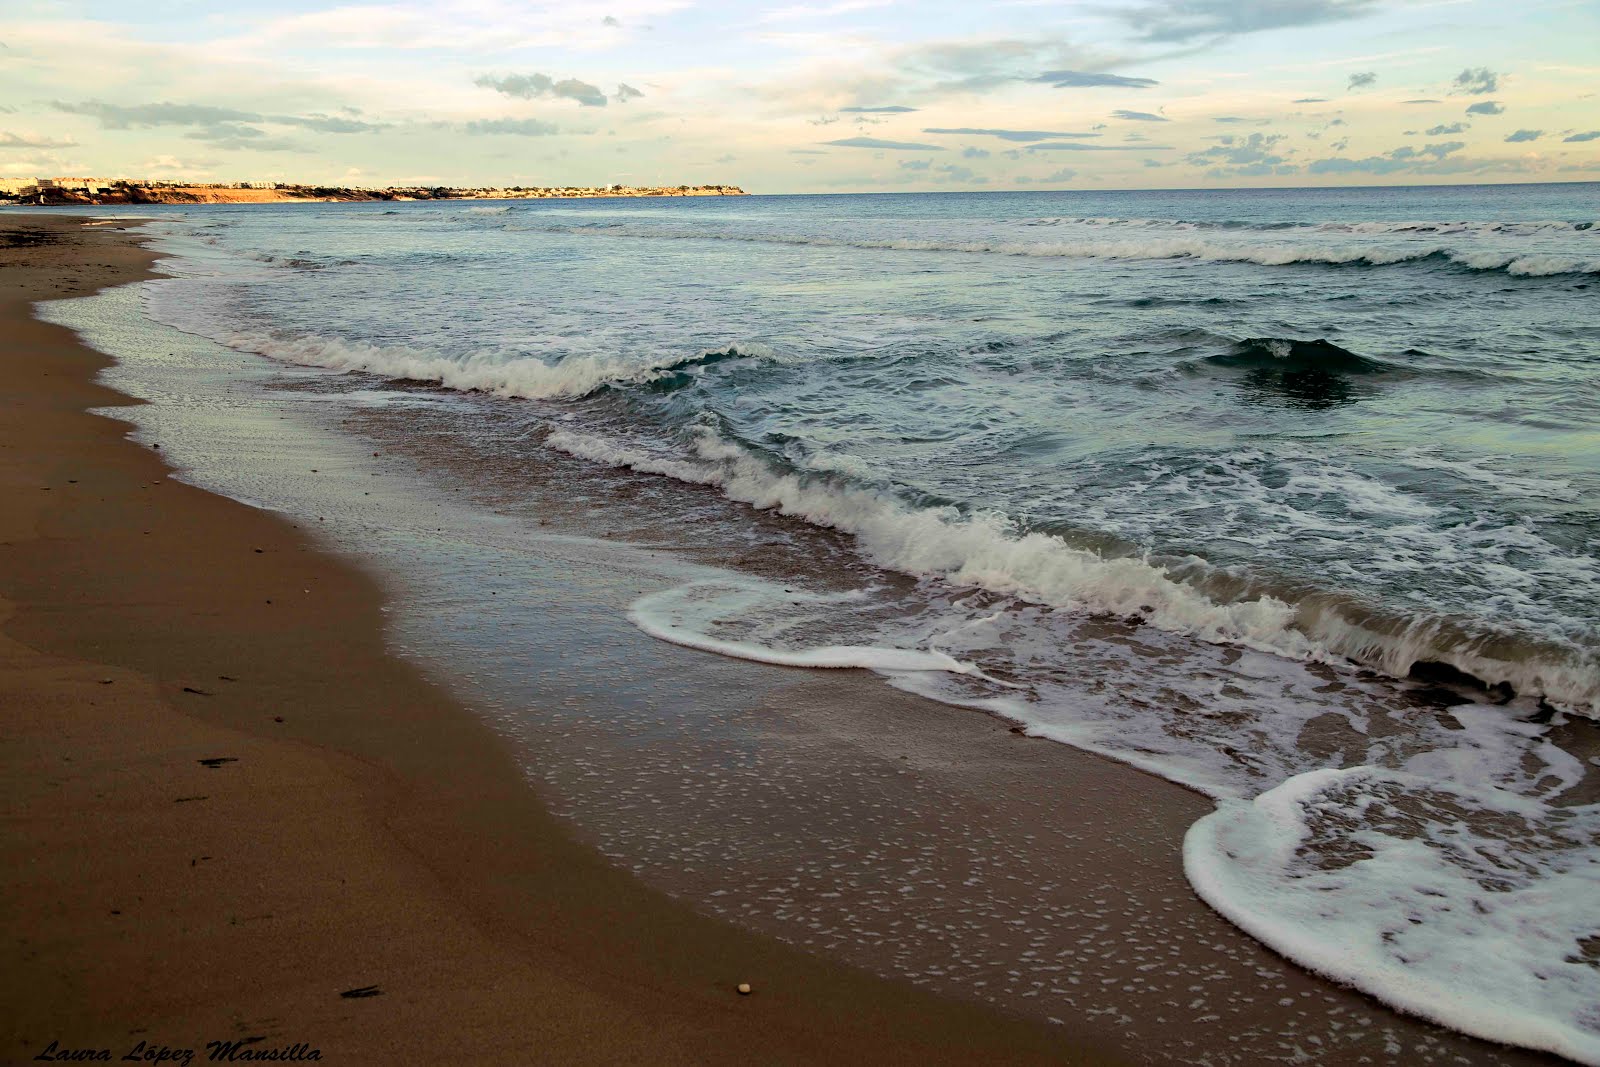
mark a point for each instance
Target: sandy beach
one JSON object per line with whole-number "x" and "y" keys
{"x": 823, "y": 533}
{"x": 232, "y": 816}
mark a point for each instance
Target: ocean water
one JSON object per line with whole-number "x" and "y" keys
{"x": 1290, "y": 497}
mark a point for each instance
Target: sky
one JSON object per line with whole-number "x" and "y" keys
{"x": 827, "y": 96}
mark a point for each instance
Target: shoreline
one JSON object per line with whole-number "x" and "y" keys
{"x": 215, "y": 833}
{"x": 823, "y": 809}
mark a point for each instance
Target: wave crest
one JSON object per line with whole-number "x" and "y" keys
{"x": 1370, "y": 228}
{"x": 1195, "y": 246}
{"x": 989, "y": 551}
{"x": 502, "y": 373}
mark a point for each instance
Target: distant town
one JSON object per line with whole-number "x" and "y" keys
{"x": 63, "y": 192}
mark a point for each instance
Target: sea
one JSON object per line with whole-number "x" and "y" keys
{"x": 1288, "y": 497}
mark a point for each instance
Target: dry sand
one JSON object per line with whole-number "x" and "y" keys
{"x": 228, "y": 809}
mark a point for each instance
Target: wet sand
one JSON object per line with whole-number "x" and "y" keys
{"x": 231, "y": 815}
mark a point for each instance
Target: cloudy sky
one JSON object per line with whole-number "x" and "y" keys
{"x": 826, "y": 96}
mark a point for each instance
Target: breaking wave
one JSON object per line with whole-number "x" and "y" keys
{"x": 500, "y": 372}
{"x": 1191, "y": 247}
{"x": 990, "y": 551}
{"x": 1507, "y": 229}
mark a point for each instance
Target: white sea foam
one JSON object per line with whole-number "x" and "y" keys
{"x": 1262, "y": 249}
{"x": 1368, "y": 228}
{"x": 503, "y": 373}
{"x": 1451, "y": 882}
{"x": 984, "y": 550}
{"x": 683, "y": 616}
{"x": 1464, "y": 903}
{"x": 987, "y": 551}
{"x": 1504, "y": 578}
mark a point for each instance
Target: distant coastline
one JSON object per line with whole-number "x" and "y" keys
{"x": 67, "y": 192}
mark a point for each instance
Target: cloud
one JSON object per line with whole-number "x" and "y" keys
{"x": 1065, "y": 174}
{"x": 538, "y": 86}
{"x": 979, "y": 153}
{"x": 1256, "y": 149}
{"x": 1369, "y": 165}
{"x": 1475, "y": 81}
{"x": 327, "y": 123}
{"x": 867, "y": 70}
{"x": 1364, "y": 80}
{"x": 1180, "y": 21}
{"x": 1311, "y": 100}
{"x": 1524, "y": 135}
{"x": 955, "y": 172}
{"x": 915, "y": 164}
{"x": 1421, "y": 101}
{"x": 144, "y": 116}
{"x": 1589, "y": 135}
{"x": 1252, "y": 170}
{"x": 626, "y": 92}
{"x": 1078, "y": 79}
{"x": 1074, "y": 146}
{"x": 14, "y": 140}
{"x": 1138, "y": 116}
{"x": 873, "y": 142}
{"x": 513, "y": 127}
{"x": 232, "y": 137}
{"x": 1437, "y": 151}
{"x": 930, "y": 69}
{"x": 1244, "y": 157}
{"x": 1006, "y": 135}
{"x": 223, "y": 127}
{"x": 612, "y": 21}
{"x": 1404, "y": 158}
{"x": 1429, "y": 160}
{"x": 892, "y": 109}
{"x": 1454, "y": 127}
{"x": 225, "y": 131}
{"x": 1486, "y": 107}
